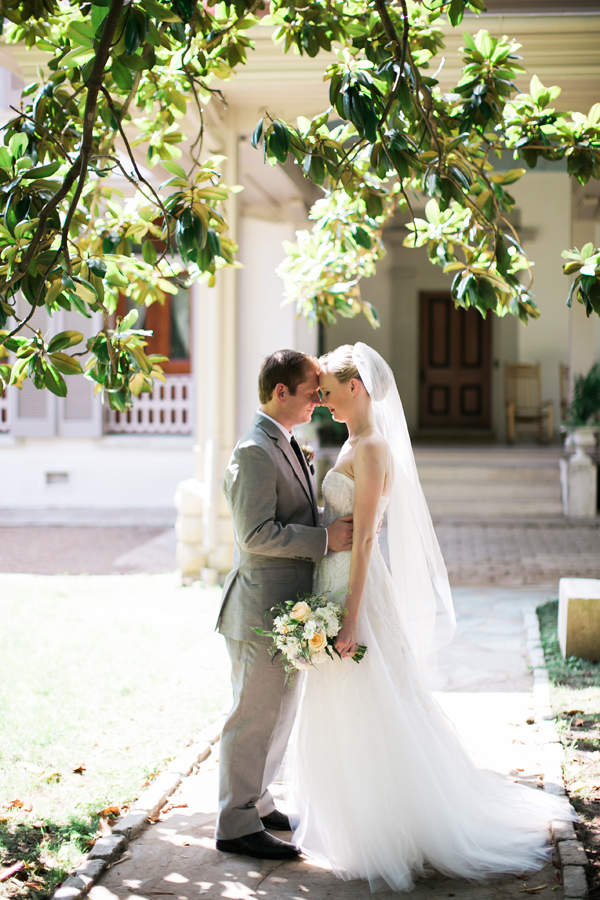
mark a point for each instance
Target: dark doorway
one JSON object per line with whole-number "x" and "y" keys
{"x": 455, "y": 365}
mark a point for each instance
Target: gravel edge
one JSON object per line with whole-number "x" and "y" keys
{"x": 108, "y": 849}
{"x": 571, "y": 853}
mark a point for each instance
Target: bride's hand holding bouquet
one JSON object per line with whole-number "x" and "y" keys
{"x": 346, "y": 642}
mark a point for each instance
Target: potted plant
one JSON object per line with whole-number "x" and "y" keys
{"x": 582, "y": 420}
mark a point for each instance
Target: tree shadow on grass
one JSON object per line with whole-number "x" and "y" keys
{"x": 48, "y": 852}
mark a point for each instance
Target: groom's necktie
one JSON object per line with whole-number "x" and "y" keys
{"x": 300, "y": 455}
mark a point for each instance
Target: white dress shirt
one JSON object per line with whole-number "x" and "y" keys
{"x": 281, "y": 427}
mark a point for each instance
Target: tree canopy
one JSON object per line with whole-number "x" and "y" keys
{"x": 123, "y": 74}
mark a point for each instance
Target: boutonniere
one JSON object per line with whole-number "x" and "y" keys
{"x": 309, "y": 455}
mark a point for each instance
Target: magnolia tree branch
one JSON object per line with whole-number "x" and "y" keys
{"x": 78, "y": 171}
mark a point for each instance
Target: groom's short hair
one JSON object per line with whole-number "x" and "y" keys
{"x": 289, "y": 367}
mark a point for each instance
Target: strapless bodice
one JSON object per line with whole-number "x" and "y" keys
{"x": 338, "y": 493}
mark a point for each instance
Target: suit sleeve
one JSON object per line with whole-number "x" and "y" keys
{"x": 251, "y": 488}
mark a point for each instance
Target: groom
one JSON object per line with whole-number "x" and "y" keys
{"x": 271, "y": 494}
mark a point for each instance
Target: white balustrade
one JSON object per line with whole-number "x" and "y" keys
{"x": 167, "y": 410}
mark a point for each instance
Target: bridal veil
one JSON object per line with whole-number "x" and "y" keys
{"x": 421, "y": 587}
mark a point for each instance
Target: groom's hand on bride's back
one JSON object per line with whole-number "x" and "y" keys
{"x": 340, "y": 534}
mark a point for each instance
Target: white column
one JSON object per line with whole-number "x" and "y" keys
{"x": 204, "y": 532}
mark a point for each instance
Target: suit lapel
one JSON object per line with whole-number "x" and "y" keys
{"x": 284, "y": 445}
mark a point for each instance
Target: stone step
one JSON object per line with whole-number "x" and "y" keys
{"x": 510, "y": 509}
{"x": 516, "y": 491}
{"x": 468, "y": 473}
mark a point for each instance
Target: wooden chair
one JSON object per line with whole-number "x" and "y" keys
{"x": 564, "y": 374}
{"x": 523, "y": 397}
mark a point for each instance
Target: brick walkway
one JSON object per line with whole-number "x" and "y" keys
{"x": 519, "y": 554}
{"x": 60, "y": 550}
{"x": 475, "y": 553}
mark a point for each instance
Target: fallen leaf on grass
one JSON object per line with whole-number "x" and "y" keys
{"x": 532, "y": 890}
{"x": 34, "y": 886}
{"x": 5, "y": 874}
{"x": 108, "y": 812}
{"x": 576, "y": 786}
{"x": 530, "y": 721}
{"x": 12, "y": 804}
{"x": 578, "y": 722}
{"x": 78, "y": 770}
{"x": 572, "y": 712}
{"x": 50, "y": 776}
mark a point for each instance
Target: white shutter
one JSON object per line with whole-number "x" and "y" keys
{"x": 80, "y": 412}
{"x": 33, "y": 412}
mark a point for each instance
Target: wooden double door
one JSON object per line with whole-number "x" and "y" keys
{"x": 455, "y": 365}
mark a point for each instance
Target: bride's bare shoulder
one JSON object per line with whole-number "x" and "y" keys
{"x": 372, "y": 448}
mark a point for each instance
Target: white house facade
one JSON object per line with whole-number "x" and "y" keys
{"x": 73, "y": 453}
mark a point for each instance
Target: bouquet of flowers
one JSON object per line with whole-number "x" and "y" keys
{"x": 304, "y": 631}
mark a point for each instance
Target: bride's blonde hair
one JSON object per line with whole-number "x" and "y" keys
{"x": 340, "y": 363}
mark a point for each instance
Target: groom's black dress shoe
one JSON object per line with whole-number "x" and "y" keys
{"x": 276, "y": 820}
{"x": 261, "y": 845}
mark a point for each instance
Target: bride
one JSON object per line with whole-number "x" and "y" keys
{"x": 383, "y": 788}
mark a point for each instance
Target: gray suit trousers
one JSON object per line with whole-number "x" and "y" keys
{"x": 254, "y": 738}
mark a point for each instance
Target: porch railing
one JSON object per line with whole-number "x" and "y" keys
{"x": 4, "y": 413}
{"x": 167, "y": 410}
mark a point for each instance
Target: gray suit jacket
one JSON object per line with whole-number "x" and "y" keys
{"x": 277, "y": 535}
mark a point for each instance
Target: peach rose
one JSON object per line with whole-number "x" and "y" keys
{"x": 300, "y": 611}
{"x": 317, "y": 641}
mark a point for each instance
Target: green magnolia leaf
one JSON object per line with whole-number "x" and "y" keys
{"x": 54, "y": 380}
{"x": 97, "y": 267}
{"x": 257, "y": 134}
{"x": 455, "y": 13}
{"x": 129, "y": 320}
{"x": 18, "y": 145}
{"x": 42, "y": 171}
{"x": 149, "y": 252}
{"x": 174, "y": 168}
{"x": 66, "y": 364}
{"x": 122, "y": 75}
{"x": 64, "y": 339}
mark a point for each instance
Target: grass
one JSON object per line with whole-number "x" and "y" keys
{"x": 575, "y": 698}
{"x": 102, "y": 680}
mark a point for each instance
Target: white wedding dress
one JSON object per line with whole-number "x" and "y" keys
{"x": 381, "y": 784}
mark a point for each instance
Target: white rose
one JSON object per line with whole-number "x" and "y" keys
{"x": 300, "y": 611}
{"x": 319, "y": 658}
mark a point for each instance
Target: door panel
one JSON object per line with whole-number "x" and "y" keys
{"x": 455, "y": 365}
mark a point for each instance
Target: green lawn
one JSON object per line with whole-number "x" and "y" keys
{"x": 112, "y": 673}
